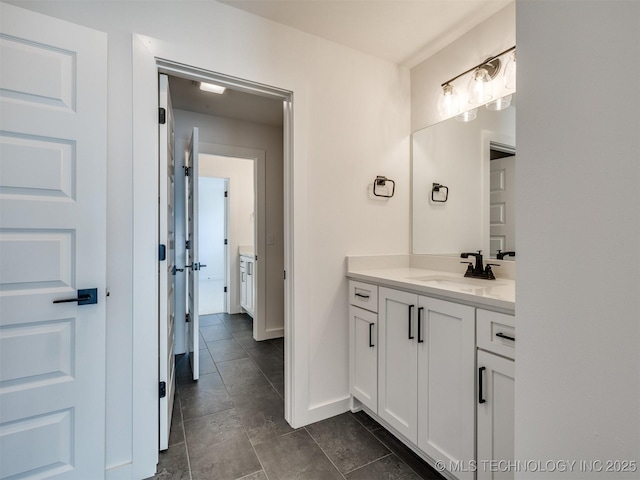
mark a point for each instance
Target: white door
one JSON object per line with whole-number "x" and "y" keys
{"x": 446, "y": 382}
{"x": 53, "y": 144}
{"x": 192, "y": 268}
{"x": 166, "y": 262}
{"x": 502, "y": 224}
{"x": 495, "y": 414}
{"x": 398, "y": 361}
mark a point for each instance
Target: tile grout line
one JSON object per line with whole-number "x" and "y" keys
{"x": 184, "y": 434}
{"x": 372, "y": 461}
{"x": 325, "y": 453}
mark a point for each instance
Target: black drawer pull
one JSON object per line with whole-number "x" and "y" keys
{"x": 420, "y": 310}
{"x": 411, "y": 337}
{"x": 371, "y": 335}
{"x": 506, "y": 337}
{"x": 480, "y": 394}
{"x": 361, "y": 295}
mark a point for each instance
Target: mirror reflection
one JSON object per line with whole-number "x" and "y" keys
{"x": 463, "y": 177}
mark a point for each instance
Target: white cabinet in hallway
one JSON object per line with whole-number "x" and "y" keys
{"x": 247, "y": 283}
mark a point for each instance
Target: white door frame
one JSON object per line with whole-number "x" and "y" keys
{"x": 145, "y": 70}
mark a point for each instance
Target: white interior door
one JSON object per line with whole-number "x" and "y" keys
{"x": 502, "y": 204}
{"x": 166, "y": 263}
{"x": 193, "y": 265}
{"x": 53, "y": 144}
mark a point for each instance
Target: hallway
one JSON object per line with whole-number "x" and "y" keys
{"x": 230, "y": 424}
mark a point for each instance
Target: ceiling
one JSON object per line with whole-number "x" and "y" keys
{"x": 234, "y": 104}
{"x": 400, "y": 31}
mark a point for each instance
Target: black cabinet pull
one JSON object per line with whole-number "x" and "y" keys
{"x": 371, "y": 335}
{"x": 361, "y": 295}
{"x": 411, "y": 337}
{"x": 420, "y": 310}
{"x": 480, "y": 394}
{"x": 507, "y": 337}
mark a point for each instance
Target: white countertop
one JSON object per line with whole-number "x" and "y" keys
{"x": 495, "y": 294}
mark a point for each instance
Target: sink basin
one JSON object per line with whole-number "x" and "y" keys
{"x": 463, "y": 284}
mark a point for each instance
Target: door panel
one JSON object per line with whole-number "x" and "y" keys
{"x": 53, "y": 143}
{"x": 193, "y": 267}
{"x": 166, "y": 273}
{"x": 502, "y": 204}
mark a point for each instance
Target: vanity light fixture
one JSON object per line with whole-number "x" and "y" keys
{"x": 480, "y": 88}
{"x": 211, "y": 87}
{"x": 510, "y": 72}
{"x": 467, "y": 116}
{"x": 449, "y": 102}
{"x": 499, "y": 103}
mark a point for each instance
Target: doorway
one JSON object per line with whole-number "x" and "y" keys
{"x": 267, "y": 217}
{"x": 213, "y": 220}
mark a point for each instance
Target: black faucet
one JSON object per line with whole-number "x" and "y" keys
{"x": 479, "y": 270}
{"x": 501, "y": 254}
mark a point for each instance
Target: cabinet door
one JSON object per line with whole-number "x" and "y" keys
{"x": 363, "y": 356}
{"x": 243, "y": 283}
{"x": 397, "y": 361}
{"x": 446, "y": 381}
{"x": 495, "y": 414}
{"x": 250, "y": 282}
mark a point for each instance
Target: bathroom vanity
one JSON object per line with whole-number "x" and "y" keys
{"x": 432, "y": 358}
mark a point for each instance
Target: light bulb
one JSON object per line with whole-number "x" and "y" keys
{"x": 467, "y": 116}
{"x": 499, "y": 104}
{"x": 480, "y": 87}
{"x": 510, "y": 72}
{"x": 448, "y": 103}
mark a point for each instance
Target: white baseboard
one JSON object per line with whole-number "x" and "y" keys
{"x": 327, "y": 410}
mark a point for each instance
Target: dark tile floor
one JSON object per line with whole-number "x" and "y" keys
{"x": 230, "y": 424}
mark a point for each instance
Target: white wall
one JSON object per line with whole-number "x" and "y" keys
{"x": 491, "y": 37}
{"x": 578, "y": 230}
{"x": 351, "y": 123}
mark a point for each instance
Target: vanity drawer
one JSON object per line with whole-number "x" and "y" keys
{"x": 363, "y": 295}
{"x": 496, "y": 332}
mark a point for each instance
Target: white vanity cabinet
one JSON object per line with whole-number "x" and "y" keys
{"x": 496, "y": 382}
{"x": 363, "y": 343}
{"x": 247, "y": 283}
{"x": 426, "y": 378}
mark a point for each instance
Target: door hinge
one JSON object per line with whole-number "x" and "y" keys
{"x": 226, "y": 241}
{"x": 187, "y": 244}
{"x": 187, "y": 171}
{"x": 187, "y": 318}
{"x": 163, "y": 389}
{"x": 162, "y": 117}
{"x": 162, "y": 252}
{"x": 225, "y": 289}
{"x": 226, "y": 194}
{"x": 285, "y": 274}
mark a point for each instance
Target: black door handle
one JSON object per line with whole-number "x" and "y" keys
{"x": 371, "y": 335}
{"x": 420, "y": 310}
{"x": 201, "y": 265}
{"x": 411, "y": 337}
{"x": 480, "y": 394}
{"x": 87, "y": 296}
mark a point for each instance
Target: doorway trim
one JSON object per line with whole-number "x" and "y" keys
{"x": 147, "y": 63}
